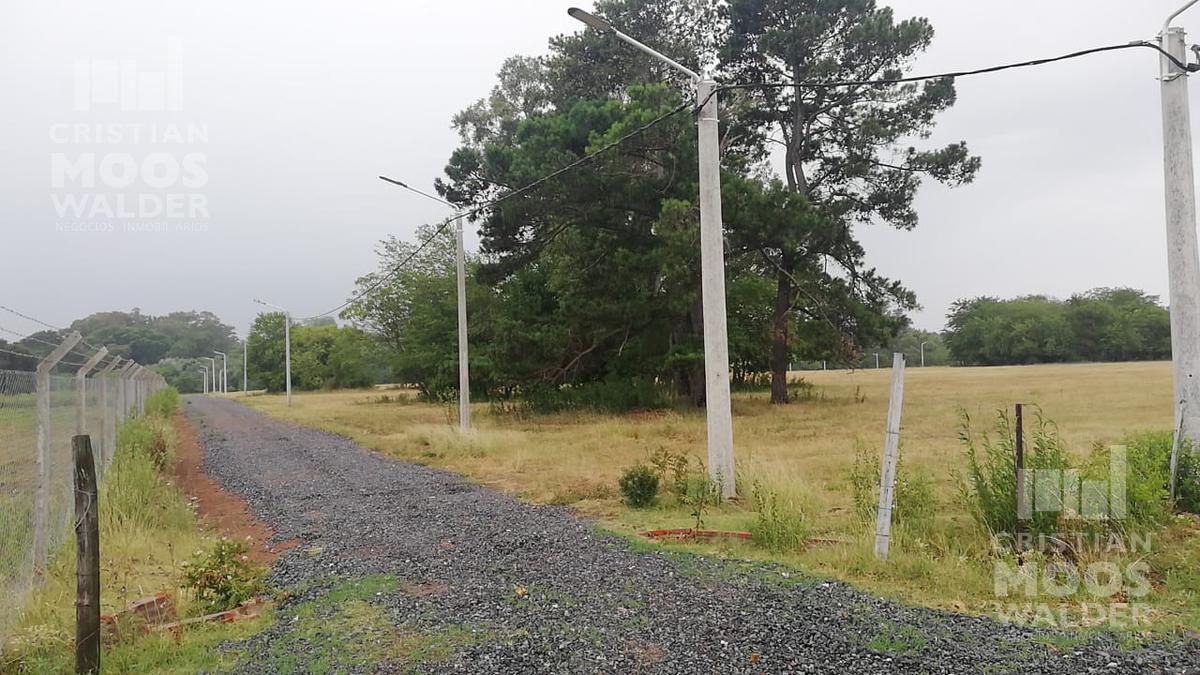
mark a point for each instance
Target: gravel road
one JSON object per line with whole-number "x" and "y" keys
{"x": 525, "y": 589}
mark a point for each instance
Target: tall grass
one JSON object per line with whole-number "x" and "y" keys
{"x": 803, "y": 453}
{"x": 146, "y": 530}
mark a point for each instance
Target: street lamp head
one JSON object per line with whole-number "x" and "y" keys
{"x": 593, "y": 21}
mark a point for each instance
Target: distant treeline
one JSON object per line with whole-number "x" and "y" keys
{"x": 1103, "y": 324}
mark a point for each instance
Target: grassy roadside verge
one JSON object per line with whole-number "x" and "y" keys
{"x": 147, "y": 531}
{"x": 803, "y": 458}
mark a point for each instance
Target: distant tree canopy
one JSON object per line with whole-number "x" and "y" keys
{"x": 172, "y": 343}
{"x": 1103, "y": 324}
{"x": 149, "y": 339}
{"x": 12, "y": 361}
{"x": 324, "y": 356}
{"x": 908, "y": 342}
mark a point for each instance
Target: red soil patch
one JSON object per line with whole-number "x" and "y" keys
{"x": 221, "y": 509}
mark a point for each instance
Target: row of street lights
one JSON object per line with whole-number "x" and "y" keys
{"x": 1184, "y": 267}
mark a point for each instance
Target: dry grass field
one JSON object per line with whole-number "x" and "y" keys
{"x": 803, "y": 453}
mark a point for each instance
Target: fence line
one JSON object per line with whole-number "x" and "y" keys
{"x": 40, "y": 411}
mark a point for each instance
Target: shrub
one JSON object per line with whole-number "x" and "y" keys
{"x": 639, "y": 485}
{"x": 1147, "y": 476}
{"x": 990, "y": 486}
{"x": 914, "y": 503}
{"x": 672, "y": 467}
{"x": 701, "y": 493}
{"x": 1148, "y": 481}
{"x": 1187, "y": 481}
{"x": 223, "y": 578}
{"x": 163, "y": 403}
{"x": 778, "y": 526}
{"x": 614, "y": 396}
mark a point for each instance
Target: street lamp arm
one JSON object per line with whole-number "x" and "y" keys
{"x": 267, "y": 304}
{"x": 604, "y": 27}
{"x": 423, "y": 193}
{"x": 1181, "y": 10}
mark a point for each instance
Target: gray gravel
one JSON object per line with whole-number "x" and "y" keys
{"x": 593, "y": 604}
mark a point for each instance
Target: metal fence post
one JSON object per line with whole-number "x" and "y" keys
{"x": 41, "y": 532}
{"x": 81, "y": 389}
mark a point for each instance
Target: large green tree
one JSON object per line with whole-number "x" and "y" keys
{"x": 843, "y": 147}
{"x": 412, "y": 311}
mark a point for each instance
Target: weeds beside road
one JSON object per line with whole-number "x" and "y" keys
{"x": 817, "y": 458}
{"x": 406, "y": 567}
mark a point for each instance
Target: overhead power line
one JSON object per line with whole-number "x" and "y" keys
{"x": 33, "y": 338}
{"x": 44, "y": 325}
{"x": 829, "y": 84}
{"x": 470, "y": 213}
{"x": 395, "y": 269}
{"x": 34, "y": 357}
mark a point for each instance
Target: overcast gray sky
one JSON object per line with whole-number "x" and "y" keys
{"x": 286, "y": 112}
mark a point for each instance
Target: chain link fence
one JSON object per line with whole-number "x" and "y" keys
{"x": 40, "y": 411}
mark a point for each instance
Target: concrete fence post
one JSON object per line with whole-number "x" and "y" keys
{"x": 41, "y": 522}
{"x": 81, "y": 389}
{"x": 123, "y": 391}
{"x": 108, "y": 417}
{"x": 891, "y": 457}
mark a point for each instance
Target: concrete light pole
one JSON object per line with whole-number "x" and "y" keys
{"x": 718, "y": 407}
{"x": 205, "y": 373}
{"x": 213, "y": 382}
{"x": 245, "y": 361}
{"x": 287, "y": 345}
{"x": 876, "y": 359}
{"x": 923, "y": 353}
{"x": 224, "y": 371}
{"x": 464, "y": 376}
{"x": 1183, "y": 261}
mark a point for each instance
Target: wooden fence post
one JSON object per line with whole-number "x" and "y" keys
{"x": 87, "y": 559}
{"x": 891, "y": 457}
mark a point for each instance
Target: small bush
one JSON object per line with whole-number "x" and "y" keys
{"x": 1147, "y": 476}
{"x": 1148, "y": 481}
{"x": 702, "y": 492}
{"x": 778, "y": 526}
{"x": 163, "y": 403}
{"x": 990, "y": 486}
{"x": 639, "y": 485}
{"x": 1187, "y": 481}
{"x": 671, "y": 469}
{"x": 914, "y": 503}
{"x": 223, "y": 578}
{"x": 614, "y": 396}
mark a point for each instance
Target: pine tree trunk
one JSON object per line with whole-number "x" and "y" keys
{"x": 780, "y": 354}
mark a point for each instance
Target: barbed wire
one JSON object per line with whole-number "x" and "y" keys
{"x": 471, "y": 213}
{"x": 44, "y": 324}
